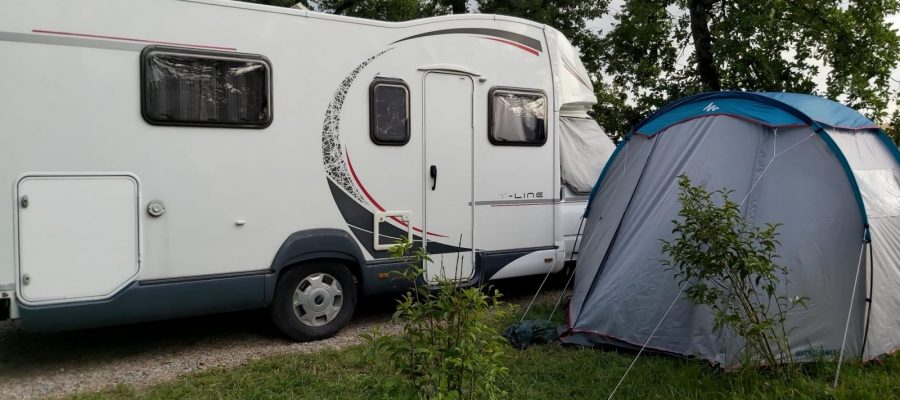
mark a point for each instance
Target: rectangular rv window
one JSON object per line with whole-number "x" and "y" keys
{"x": 200, "y": 88}
{"x": 389, "y": 112}
{"x": 518, "y": 117}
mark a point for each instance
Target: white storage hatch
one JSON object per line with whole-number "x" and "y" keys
{"x": 78, "y": 236}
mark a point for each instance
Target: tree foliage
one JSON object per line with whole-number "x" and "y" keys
{"x": 390, "y": 10}
{"x": 567, "y": 16}
{"x": 449, "y": 347}
{"x": 570, "y": 17}
{"x": 383, "y": 10}
{"x": 728, "y": 265}
{"x": 661, "y": 50}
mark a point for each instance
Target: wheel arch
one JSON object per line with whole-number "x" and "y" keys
{"x": 315, "y": 244}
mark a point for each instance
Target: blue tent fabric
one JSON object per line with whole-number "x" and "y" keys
{"x": 772, "y": 109}
{"x": 706, "y": 106}
{"x": 824, "y": 111}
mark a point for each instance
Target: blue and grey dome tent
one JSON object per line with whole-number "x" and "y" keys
{"x": 820, "y": 168}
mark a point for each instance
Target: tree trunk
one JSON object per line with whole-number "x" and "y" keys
{"x": 458, "y": 6}
{"x": 343, "y": 6}
{"x": 706, "y": 64}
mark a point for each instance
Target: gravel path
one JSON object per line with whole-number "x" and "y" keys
{"x": 53, "y": 365}
{"x": 65, "y": 373}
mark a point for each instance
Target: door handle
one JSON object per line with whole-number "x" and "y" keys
{"x": 433, "y": 176}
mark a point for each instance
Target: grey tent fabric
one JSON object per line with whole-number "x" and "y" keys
{"x": 811, "y": 179}
{"x": 623, "y": 177}
{"x": 584, "y": 150}
{"x": 877, "y": 175}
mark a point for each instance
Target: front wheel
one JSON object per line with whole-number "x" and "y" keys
{"x": 313, "y": 301}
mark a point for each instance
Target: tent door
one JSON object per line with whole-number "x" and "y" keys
{"x": 448, "y": 131}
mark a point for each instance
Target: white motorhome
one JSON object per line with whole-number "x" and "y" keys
{"x": 173, "y": 158}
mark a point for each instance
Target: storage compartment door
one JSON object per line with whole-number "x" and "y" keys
{"x": 78, "y": 236}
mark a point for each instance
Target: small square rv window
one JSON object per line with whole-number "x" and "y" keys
{"x": 203, "y": 88}
{"x": 518, "y": 117}
{"x": 389, "y": 112}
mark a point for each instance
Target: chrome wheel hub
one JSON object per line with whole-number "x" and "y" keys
{"x": 318, "y": 299}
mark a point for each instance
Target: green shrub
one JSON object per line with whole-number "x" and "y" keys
{"x": 448, "y": 348}
{"x": 729, "y": 266}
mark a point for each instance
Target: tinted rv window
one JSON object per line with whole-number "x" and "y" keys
{"x": 389, "y": 112}
{"x": 187, "y": 87}
{"x": 518, "y": 117}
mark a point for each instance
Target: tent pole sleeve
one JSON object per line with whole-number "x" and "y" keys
{"x": 862, "y": 352}
{"x": 840, "y": 360}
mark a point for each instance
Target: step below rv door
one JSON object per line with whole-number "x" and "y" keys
{"x": 77, "y": 236}
{"x": 402, "y": 217}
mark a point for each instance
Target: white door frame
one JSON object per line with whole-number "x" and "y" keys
{"x": 466, "y": 73}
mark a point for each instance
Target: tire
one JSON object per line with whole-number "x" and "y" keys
{"x": 325, "y": 296}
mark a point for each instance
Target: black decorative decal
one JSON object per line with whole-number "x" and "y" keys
{"x": 332, "y": 149}
{"x": 349, "y": 200}
{"x": 361, "y": 222}
{"x": 515, "y": 37}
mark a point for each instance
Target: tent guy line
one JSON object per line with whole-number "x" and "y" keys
{"x": 653, "y": 333}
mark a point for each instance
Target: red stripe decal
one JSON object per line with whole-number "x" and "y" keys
{"x": 87, "y": 35}
{"x": 521, "y": 46}
{"x": 375, "y": 203}
{"x": 521, "y": 205}
{"x": 358, "y": 183}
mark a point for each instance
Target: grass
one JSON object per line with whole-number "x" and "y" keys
{"x": 540, "y": 372}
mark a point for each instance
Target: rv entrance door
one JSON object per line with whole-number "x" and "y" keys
{"x": 448, "y": 174}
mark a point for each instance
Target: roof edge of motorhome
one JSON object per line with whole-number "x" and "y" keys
{"x": 363, "y": 21}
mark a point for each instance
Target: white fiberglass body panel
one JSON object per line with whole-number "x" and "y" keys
{"x": 231, "y": 196}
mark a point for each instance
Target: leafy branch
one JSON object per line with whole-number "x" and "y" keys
{"x": 729, "y": 266}
{"x": 448, "y": 348}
